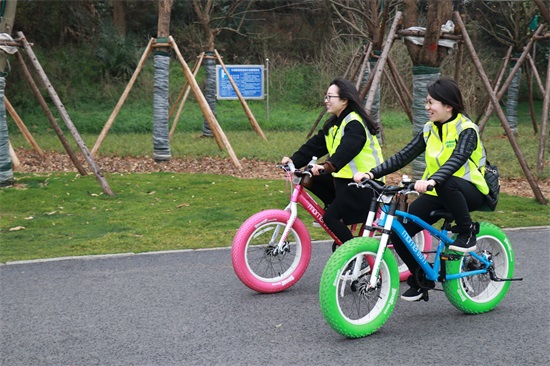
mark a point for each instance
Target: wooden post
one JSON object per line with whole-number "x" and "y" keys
{"x": 187, "y": 88}
{"x": 65, "y": 116}
{"x": 348, "y": 72}
{"x": 382, "y": 63}
{"x": 210, "y": 118}
{"x": 544, "y": 124}
{"x": 458, "y": 62}
{"x": 495, "y": 86}
{"x": 529, "y": 77}
{"x": 13, "y": 156}
{"x": 24, "y": 130}
{"x": 400, "y": 82}
{"x": 399, "y": 95}
{"x": 536, "y": 74}
{"x": 49, "y": 115}
{"x": 363, "y": 62}
{"x": 512, "y": 74}
{"x": 253, "y": 122}
{"x": 494, "y": 100}
{"x": 122, "y": 99}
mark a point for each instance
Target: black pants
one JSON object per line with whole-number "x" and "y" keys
{"x": 456, "y": 195}
{"x": 344, "y": 205}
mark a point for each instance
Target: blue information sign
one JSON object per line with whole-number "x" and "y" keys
{"x": 248, "y": 78}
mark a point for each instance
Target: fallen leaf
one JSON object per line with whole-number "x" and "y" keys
{"x": 17, "y": 228}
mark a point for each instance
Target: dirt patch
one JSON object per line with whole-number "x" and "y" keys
{"x": 57, "y": 162}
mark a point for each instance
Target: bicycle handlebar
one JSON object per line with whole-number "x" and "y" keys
{"x": 390, "y": 190}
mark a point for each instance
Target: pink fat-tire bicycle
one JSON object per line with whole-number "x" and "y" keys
{"x": 272, "y": 249}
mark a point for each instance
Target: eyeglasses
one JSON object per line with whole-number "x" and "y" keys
{"x": 327, "y": 97}
{"x": 429, "y": 102}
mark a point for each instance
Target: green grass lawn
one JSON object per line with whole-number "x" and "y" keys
{"x": 63, "y": 214}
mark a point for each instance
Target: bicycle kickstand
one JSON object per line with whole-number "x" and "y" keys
{"x": 493, "y": 276}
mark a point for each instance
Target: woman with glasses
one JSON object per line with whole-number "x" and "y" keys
{"x": 454, "y": 158}
{"x": 348, "y": 139}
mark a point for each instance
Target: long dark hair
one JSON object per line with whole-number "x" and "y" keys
{"x": 446, "y": 91}
{"x": 349, "y": 92}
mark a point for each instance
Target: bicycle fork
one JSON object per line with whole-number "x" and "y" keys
{"x": 282, "y": 245}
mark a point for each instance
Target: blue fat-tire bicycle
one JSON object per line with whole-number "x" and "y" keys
{"x": 360, "y": 282}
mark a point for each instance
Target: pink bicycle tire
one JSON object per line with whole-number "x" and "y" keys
{"x": 278, "y": 272}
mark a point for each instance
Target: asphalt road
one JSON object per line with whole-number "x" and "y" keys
{"x": 188, "y": 308}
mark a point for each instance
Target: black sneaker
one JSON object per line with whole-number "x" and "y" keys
{"x": 464, "y": 242}
{"x": 413, "y": 294}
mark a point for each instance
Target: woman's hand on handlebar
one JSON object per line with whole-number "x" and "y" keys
{"x": 318, "y": 169}
{"x": 286, "y": 160}
{"x": 421, "y": 186}
{"x": 358, "y": 177}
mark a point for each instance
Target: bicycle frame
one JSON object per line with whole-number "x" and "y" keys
{"x": 389, "y": 223}
{"x": 302, "y": 197}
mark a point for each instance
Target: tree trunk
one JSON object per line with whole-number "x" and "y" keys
{"x": 6, "y": 171}
{"x": 513, "y": 96}
{"x": 119, "y": 16}
{"x": 209, "y": 89}
{"x": 161, "y": 140}
{"x": 426, "y": 59}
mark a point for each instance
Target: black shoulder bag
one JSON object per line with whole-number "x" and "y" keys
{"x": 492, "y": 178}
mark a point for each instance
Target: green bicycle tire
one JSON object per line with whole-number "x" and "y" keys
{"x": 334, "y": 304}
{"x": 479, "y": 294}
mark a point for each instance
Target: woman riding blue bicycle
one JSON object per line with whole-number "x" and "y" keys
{"x": 455, "y": 158}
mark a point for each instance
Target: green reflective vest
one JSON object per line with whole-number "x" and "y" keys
{"x": 439, "y": 150}
{"x": 369, "y": 157}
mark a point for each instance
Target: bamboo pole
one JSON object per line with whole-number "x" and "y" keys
{"x": 122, "y": 99}
{"x": 65, "y": 116}
{"x": 187, "y": 89}
{"x": 24, "y": 130}
{"x": 210, "y": 118}
{"x": 494, "y": 100}
{"x": 49, "y": 115}
{"x": 253, "y": 122}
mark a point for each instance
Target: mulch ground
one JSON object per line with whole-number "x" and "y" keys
{"x": 30, "y": 162}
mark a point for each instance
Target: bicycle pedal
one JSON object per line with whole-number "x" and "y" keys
{"x": 425, "y": 295}
{"x": 451, "y": 257}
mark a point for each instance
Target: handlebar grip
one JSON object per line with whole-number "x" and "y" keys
{"x": 430, "y": 188}
{"x": 322, "y": 171}
{"x": 364, "y": 180}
